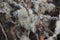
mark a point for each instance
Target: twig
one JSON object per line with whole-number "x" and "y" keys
{"x": 3, "y": 31}
{"x": 29, "y": 4}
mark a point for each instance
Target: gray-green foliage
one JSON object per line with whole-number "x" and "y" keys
{"x": 6, "y": 8}
{"x": 23, "y": 18}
